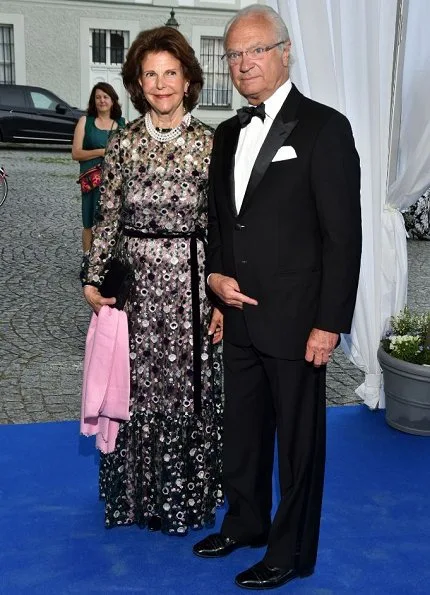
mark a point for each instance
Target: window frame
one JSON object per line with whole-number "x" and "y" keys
{"x": 85, "y": 26}
{"x": 7, "y": 54}
{"x": 218, "y": 69}
{"x": 17, "y": 23}
{"x": 213, "y": 115}
{"x": 107, "y": 49}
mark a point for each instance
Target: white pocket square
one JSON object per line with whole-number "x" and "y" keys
{"x": 284, "y": 153}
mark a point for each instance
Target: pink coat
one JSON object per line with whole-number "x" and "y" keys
{"x": 106, "y": 381}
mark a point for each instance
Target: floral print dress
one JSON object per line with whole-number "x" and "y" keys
{"x": 417, "y": 218}
{"x": 153, "y": 213}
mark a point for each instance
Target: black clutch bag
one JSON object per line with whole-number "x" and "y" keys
{"x": 117, "y": 282}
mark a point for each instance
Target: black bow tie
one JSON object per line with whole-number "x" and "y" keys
{"x": 245, "y": 114}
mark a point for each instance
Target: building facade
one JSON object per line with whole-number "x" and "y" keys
{"x": 67, "y": 46}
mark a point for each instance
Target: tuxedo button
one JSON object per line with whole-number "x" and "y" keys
{"x": 239, "y": 227}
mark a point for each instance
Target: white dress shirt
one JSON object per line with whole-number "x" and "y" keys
{"x": 251, "y": 139}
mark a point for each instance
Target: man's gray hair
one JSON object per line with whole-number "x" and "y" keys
{"x": 279, "y": 27}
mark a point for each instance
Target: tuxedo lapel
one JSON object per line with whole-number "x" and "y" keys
{"x": 282, "y": 127}
{"x": 231, "y": 138}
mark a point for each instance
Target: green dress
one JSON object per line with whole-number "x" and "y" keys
{"x": 94, "y": 138}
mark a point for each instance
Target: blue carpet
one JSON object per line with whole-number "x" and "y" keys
{"x": 375, "y": 534}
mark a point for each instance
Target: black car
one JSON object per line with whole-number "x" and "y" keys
{"x": 35, "y": 115}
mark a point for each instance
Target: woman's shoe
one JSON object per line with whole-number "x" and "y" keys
{"x": 154, "y": 523}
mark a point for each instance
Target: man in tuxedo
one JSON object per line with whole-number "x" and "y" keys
{"x": 283, "y": 258}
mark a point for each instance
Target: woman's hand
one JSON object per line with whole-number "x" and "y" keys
{"x": 95, "y": 299}
{"x": 216, "y": 326}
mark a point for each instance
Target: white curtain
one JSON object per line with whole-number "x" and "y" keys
{"x": 343, "y": 56}
{"x": 412, "y": 165}
{"x": 413, "y": 171}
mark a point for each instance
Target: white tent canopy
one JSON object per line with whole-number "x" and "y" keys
{"x": 370, "y": 59}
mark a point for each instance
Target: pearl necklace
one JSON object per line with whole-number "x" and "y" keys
{"x": 164, "y": 137}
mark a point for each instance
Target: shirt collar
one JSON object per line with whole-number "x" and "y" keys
{"x": 275, "y": 101}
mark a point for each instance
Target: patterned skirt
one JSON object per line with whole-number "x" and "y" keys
{"x": 167, "y": 459}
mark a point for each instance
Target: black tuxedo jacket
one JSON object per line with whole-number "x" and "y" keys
{"x": 295, "y": 245}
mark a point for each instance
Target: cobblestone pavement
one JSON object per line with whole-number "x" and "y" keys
{"x": 43, "y": 318}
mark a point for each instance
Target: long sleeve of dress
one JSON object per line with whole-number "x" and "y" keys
{"x": 105, "y": 232}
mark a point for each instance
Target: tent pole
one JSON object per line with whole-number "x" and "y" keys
{"x": 396, "y": 90}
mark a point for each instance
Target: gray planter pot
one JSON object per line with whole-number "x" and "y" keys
{"x": 407, "y": 394}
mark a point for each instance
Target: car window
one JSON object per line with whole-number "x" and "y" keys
{"x": 11, "y": 96}
{"x": 43, "y": 101}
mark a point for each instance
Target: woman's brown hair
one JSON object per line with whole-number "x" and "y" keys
{"x": 161, "y": 39}
{"x": 115, "y": 110}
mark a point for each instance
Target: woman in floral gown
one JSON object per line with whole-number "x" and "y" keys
{"x": 165, "y": 470}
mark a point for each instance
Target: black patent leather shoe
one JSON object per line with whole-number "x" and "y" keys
{"x": 154, "y": 523}
{"x": 262, "y": 576}
{"x": 217, "y": 546}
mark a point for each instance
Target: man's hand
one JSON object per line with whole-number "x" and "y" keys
{"x": 228, "y": 290}
{"x": 216, "y": 326}
{"x": 95, "y": 299}
{"x": 320, "y": 346}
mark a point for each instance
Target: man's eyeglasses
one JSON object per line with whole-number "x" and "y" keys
{"x": 255, "y": 54}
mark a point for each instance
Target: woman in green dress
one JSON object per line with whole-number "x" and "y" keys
{"x": 89, "y": 142}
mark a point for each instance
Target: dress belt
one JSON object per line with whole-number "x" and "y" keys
{"x": 193, "y": 236}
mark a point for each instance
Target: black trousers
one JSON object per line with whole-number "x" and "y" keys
{"x": 268, "y": 397}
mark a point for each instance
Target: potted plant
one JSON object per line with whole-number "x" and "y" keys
{"x": 404, "y": 356}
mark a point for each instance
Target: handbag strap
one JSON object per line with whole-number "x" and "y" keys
{"x": 112, "y": 129}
